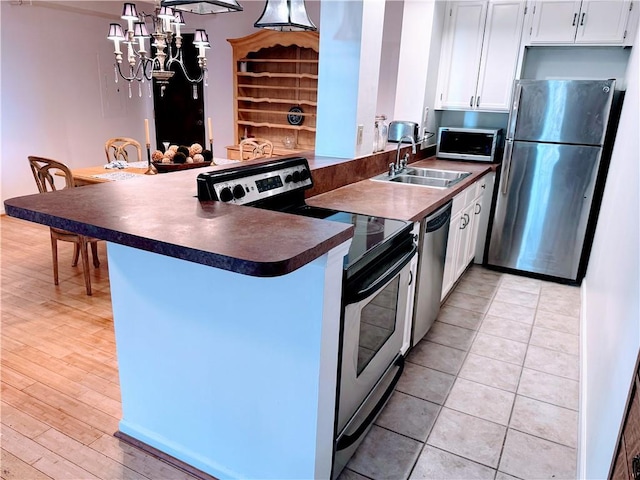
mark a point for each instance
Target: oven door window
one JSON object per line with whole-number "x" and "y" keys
{"x": 377, "y": 323}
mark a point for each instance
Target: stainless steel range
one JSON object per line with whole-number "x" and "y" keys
{"x": 378, "y": 287}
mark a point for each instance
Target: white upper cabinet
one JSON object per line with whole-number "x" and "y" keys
{"x": 500, "y": 50}
{"x": 479, "y": 54}
{"x": 460, "y": 55}
{"x": 592, "y": 22}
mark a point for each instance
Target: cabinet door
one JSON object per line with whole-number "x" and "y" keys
{"x": 603, "y": 21}
{"x": 460, "y": 55}
{"x": 450, "y": 262}
{"x": 486, "y": 185}
{"x": 500, "y": 50}
{"x": 466, "y": 236}
{"x": 554, "y": 21}
{"x": 476, "y": 211}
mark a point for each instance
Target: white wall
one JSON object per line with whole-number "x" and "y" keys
{"x": 418, "y": 64}
{"x": 576, "y": 62}
{"x": 611, "y": 308}
{"x": 373, "y": 15}
{"x": 59, "y": 99}
{"x": 62, "y": 101}
{"x": 338, "y": 78}
{"x": 389, "y": 57}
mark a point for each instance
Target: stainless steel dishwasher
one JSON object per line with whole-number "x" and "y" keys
{"x": 434, "y": 231}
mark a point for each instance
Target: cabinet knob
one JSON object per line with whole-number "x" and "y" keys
{"x": 471, "y": 101}
{"x": 575, "y": 17}
{"x": 479, "y": 209}
{"x": 582, "y": 19}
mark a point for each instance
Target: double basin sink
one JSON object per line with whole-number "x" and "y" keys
{"x": 426, "y": 177}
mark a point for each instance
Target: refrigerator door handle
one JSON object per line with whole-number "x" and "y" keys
{"x": 513, "y": 114}
{"x": 506, "y": 162}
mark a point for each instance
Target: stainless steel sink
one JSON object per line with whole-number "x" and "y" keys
{"x": 433, "y": 173}
{"x": 426, "y": 177}
{"x": 426, "y": 181}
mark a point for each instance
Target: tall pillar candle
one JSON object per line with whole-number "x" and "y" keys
{"x": 210, "y": 129}
{"x": 146, "y": 131}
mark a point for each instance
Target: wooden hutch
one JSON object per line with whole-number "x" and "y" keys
{"x": 275, "y": 80}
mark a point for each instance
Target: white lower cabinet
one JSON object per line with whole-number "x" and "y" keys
{"x": 463, "y": 233}
{"x": 486, "y": 184}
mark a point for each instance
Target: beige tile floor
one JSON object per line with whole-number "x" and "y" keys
{"x": 490, "y": 393}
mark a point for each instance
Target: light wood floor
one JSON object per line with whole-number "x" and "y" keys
{"x": 60, "y": 393}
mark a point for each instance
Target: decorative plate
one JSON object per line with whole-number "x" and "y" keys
{"x": 294, "y": 117}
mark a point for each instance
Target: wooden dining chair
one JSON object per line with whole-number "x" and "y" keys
{"x": 43, "y": 170}
{"x": 119, "y": 148}
{"x": 251, "y": 148}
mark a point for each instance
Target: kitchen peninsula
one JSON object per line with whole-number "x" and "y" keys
{"x": 230, "y": 369}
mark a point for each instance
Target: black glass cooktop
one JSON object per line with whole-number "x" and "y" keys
{"x": 372, "y": 236}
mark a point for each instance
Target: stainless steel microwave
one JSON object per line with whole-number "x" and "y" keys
{"x": 469, "y": 144}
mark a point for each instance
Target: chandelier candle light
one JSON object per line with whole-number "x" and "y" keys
{"x": 143, "y": 67}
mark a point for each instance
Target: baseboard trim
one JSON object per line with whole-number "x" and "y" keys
{"x": 179, "y": 464}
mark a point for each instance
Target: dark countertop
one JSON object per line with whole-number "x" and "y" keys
{"x": 396, "y": 200}
{"x": 161, "y": 214}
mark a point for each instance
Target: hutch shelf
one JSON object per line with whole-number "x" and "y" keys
{"x": 276, "y": 89}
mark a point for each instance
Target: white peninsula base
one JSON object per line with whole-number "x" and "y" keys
{"x": 232, "y": 374}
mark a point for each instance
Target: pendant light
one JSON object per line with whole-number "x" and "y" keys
{"x": 285, "y": 16}
{"x": 204, "y": 7}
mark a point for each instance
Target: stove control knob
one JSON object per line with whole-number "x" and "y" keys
{"x": 288, "y": 179}
{"x": 238, "y": 191}
{"x": 226, "y": 195}
{"x": 304, "y": 174}
{"x": 296, "y": 177}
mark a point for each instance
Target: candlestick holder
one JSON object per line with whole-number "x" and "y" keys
{"x": 211, "y": 146}
{"x": 151, "y": 170}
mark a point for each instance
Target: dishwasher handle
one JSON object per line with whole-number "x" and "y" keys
{"x": 439, "y": 218}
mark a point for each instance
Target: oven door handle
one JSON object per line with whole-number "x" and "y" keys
{"x": 384, "y": 278}
{"x": 347, "y": 440}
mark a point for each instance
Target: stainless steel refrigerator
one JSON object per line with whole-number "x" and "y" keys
{"x": 552, "y": 157}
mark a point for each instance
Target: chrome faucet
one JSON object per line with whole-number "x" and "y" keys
{"x": 399, "y": 166}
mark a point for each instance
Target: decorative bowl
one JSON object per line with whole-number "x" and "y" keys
{"x": 174, "y": 167}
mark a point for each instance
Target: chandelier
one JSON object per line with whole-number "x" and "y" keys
{"x": 167, "y": 21}
{"x": 285, "y": 16}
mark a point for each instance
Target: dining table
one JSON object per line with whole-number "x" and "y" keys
{"x": 101, "y": 174}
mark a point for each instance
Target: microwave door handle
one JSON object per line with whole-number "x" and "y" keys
{"x": 513, "y": 113}
{"x": 506, "y": 165}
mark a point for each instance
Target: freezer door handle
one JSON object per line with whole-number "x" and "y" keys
{"x": 506, "y": 162}
{"x": 513, "y": 114}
